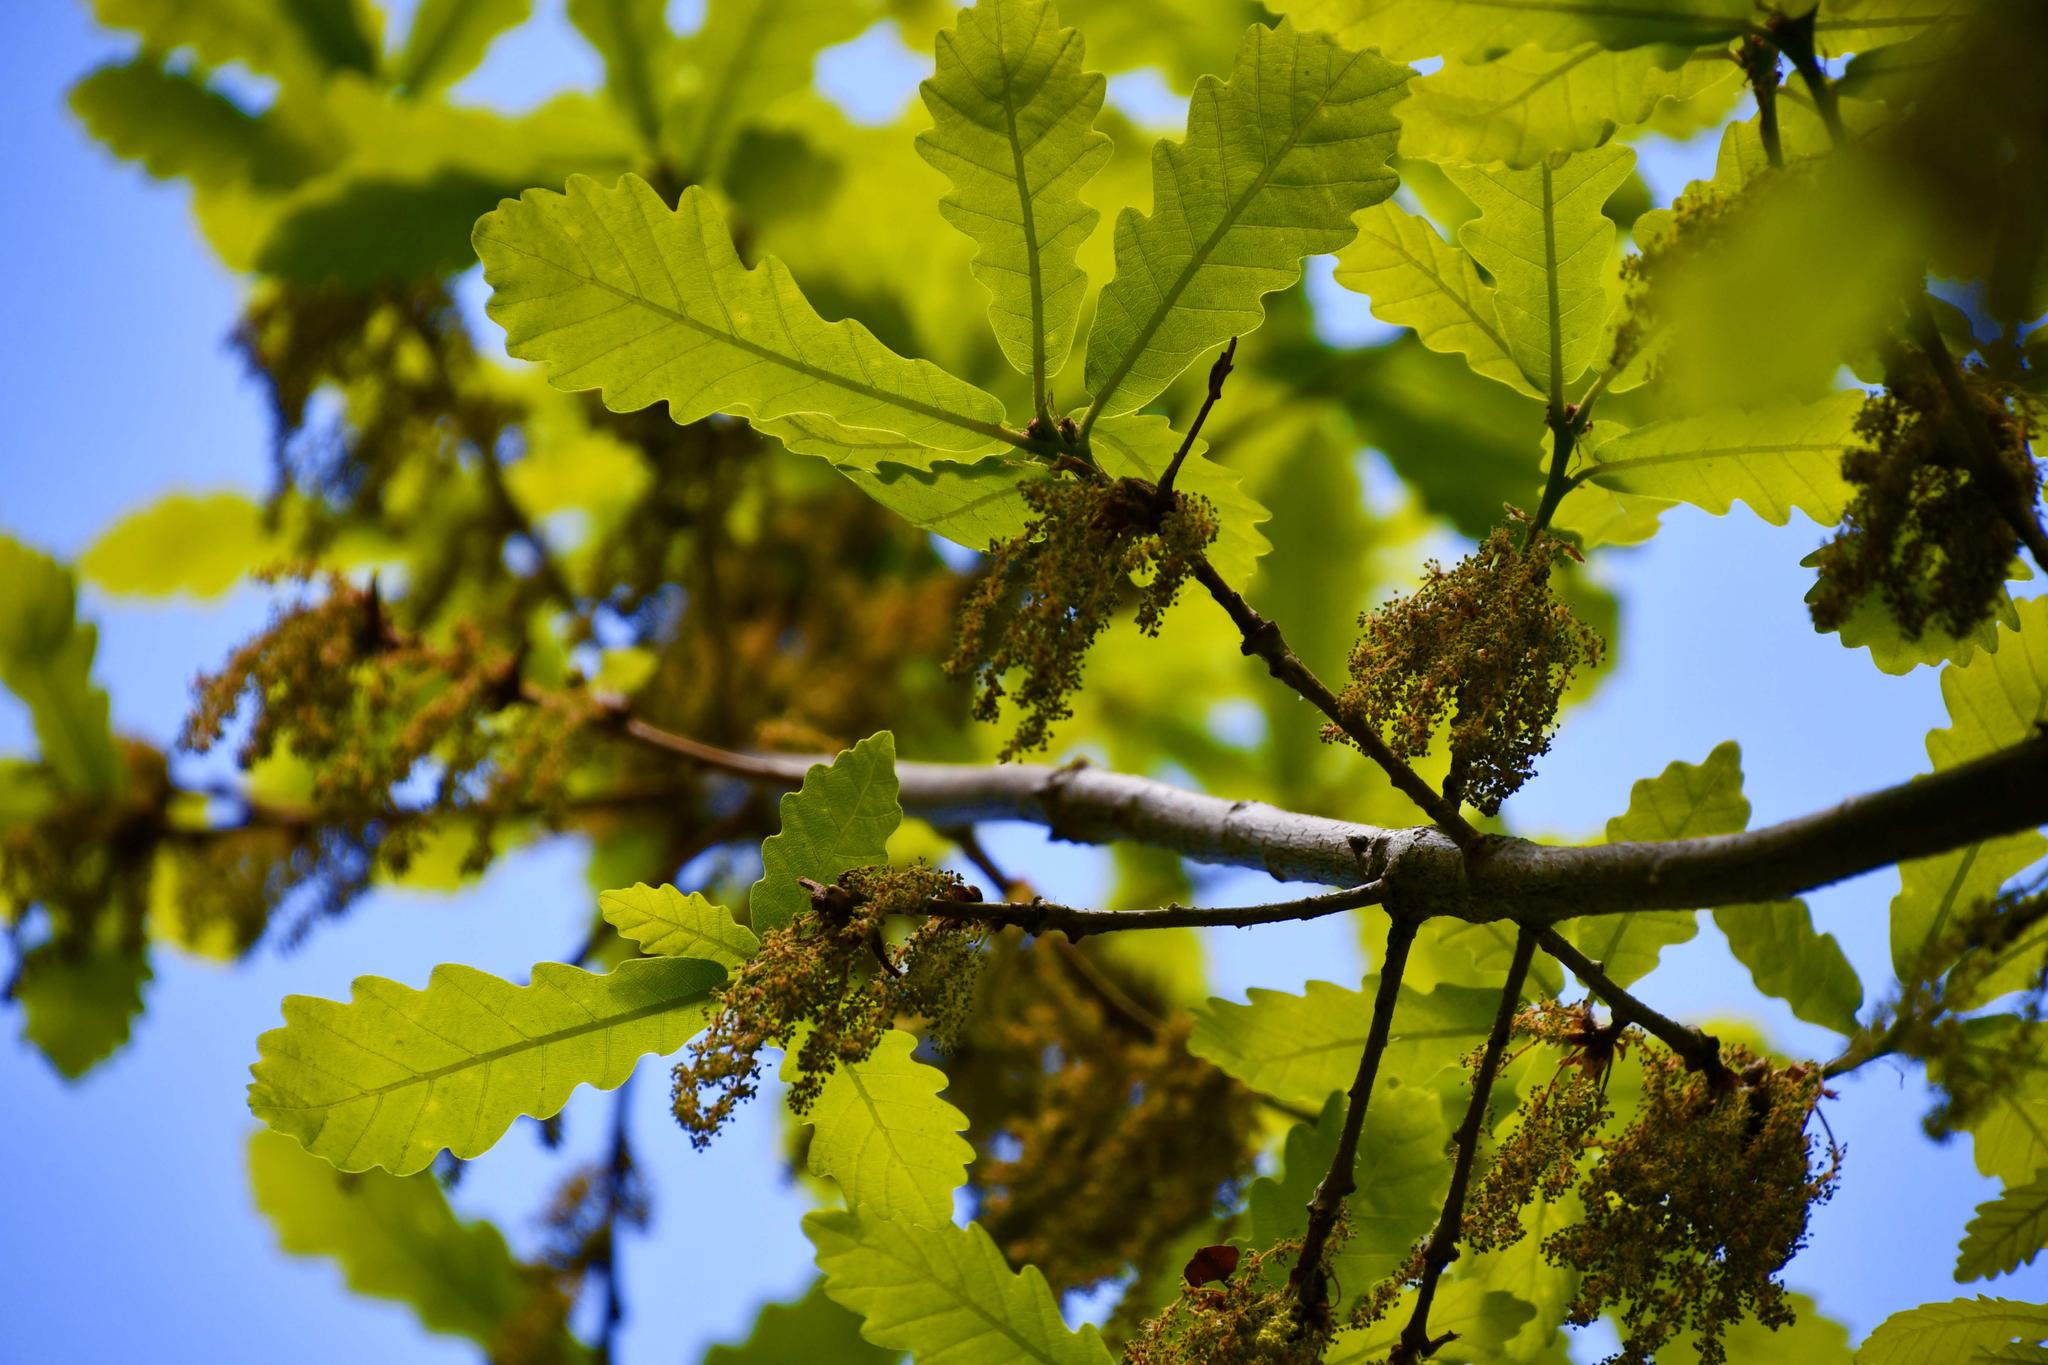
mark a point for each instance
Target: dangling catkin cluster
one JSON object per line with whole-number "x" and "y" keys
{"x": 1485, "y": 647}
{"x": 1691, "y": 1212}
{"x": 1923, "y": 533}
{"x": 1051, "y": 589}
{"x": 1244, "y": 1320}
{"x": 829, "y": 977}
{"x": 1101, "y": 1138}
{"x": 1540, "y": 1158}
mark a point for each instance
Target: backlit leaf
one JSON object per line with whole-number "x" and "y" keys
{"x": 176, "y": 126}
{"x": 1142, "y": 445}
{"x": 1014, "y": 130}
{"x": 840, "y": 819}
{"x": 1275, "y": 163}
{"x": 393, "y": 1076}
{"x": 283, "y": 40}
{"x": 610, "y": 290}
{"x": 46, "y": 658}
{"x": 200, "y": 545}
{"x": 77, "y": 1007}
{"x": 1543, "y": 237}
{"x": 944, "y": 1292}
{"x": 1472, "y": 29}
{"x": 748, "y": 54}
{"x": 2007, "y": 1233}
{"x": 667, "y": 923}
{"x": 1789, "y": 959}
{"x": 640, "y": 55}
{"x": 1952, "y": 1332}
{"x": 812, "y": 1329}
{"x": 882, "y": 1132}
{"x": 448, "y": 39}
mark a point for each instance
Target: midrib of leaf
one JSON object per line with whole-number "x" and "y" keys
{"x": 1030, "y": 223}
{"x": 720, "y": 94}
{"x": 526, "y": 1044}
{"x": 1657, "y": 15}
{"x": 1599, "y": 467}
{"x": 875, "y": 1113}
{"x": 992, "y": 430}
{"x": 1555, "y": 74}
{"x": 1464, "y": 304}
{"x": 1550, "y": 286}
{"x": 1201, "y": 257}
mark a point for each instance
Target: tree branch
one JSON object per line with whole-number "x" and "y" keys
{"x": 1425, "y": 873}
{"x": 1043, "y": 916}
{"x": 1218, "y": 372}
{"x": 1701, "y": 1051}
{"x": 1263, "y": 640}
{"x": 1416, "y": 1343}
{"x": 1310, "y": 1279}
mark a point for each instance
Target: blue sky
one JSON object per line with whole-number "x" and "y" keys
{"x": 128, "y": 1230}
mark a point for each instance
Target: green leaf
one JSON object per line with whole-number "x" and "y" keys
{"x": 1789, "y": 959}
{"x": 1685, "y": 801}
{"x": 46, "y": 660}
{"x": 1414, "y": 278}
{"x": 640, "y": 54}
{"x": 1542, "y": 236}
{"x": 300, "y": 39}
{"x": 1524, "y": 105}
{"x": 1871, "y": 625}
{"x": 448, "y": 39}
{"x": 748, "y": 55}
{"x": 1014, "y": 130}
{"x": 1275, "y": 163}
{"x": 944, "y": 1291}
{"x": 392, "y": 1237}
{"x": 667, "y": 923}
{"x": 200, "y": 545}
{"x": 1485, "y": 1321}
{"x": 1473, "y": 30}
{"x": 1933, "y": 891}
{"x": 77, "y": 1008}
{"x": 2009, "y": 1127}
{"x": 1142, "y": 445}
{"x": 609, "y": 290}
{"x": 881, "y": 1130}
{"x": 1947, "y": 1333}
{"x": 973, "y": 505}
{"x": 2007, "y": 1233}
{"x": 811, "y": 1329}
{"x": 178, "y": 127}
{"x": 1302, "y": 1048}
{"x": 840, "y": 819}
{"x": 395, "y": 1075}
{"x": 1774, "y": 459}
{"x": 1812, "y": 1339}
{"x": 1997, "y": 699}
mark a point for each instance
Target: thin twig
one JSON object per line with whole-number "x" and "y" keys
{"x": 1311, "y": 1278}
{"x": 1701, "y": 1051}
{"x": 1416, "y": 1343}
{"x": 620, "y": 1167}
{"x": 1262, "y": 639}
{"x": 1043, "y": 916}
{"x": 1218, "y": 372}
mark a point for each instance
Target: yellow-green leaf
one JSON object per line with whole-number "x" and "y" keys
{"x": 2007, "y": 1233}
{"x": 197, "y": 544}
{"x": 393, "y": 1076}
{"x": 77, "y": 1007}
{"x": 1414, "y": 278}
{"x": 1014, "y": 130}
{"x": 944, "y": 1292}
{"x": 1789, "y": 959}
{"x": 610, "y": 290}
{"x": 840, "y": 819}
{"x": 640, "y": 55}
{"x": 1542, "y": 236}
{"x": 749, "y": 54}
{"x": 1955, "y": 1333}
{"x": 1477, "y": 29}
{"x": 447, "y": 40}
{"x": 667, "y": 923}
{"x": 46, "y": 658}
{"x": 881, "y": 1131}
{"x": 811, "y": 1329}
{"x": 1275, "y": 163}
{"x": 1141, "y": 446}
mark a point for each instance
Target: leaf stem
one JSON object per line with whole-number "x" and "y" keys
{"x": 1416, "y": 1343}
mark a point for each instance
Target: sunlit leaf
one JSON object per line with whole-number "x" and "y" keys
{"x": 201, "y": 545}
{"x": 77, "y": 1006}
{"x": 1274, "y": 164}
{"x": 667, "y": 923}
{"x": 1789, "y": 959}
{"x": 285, "y": 40}
{"x": 610, "y": 290}
{"x": 2007, "y": 1233}
{"x": 881, "y": 1131}
{"x": 640, "y": 55}
{"x": 1475, "y": 29}
{"x": 1014, "y": 117}
{"x": 840, "y": 819}
{"x": 447, "y": 40}
{"x": 46, "y": 658}
{"x": 177, "y": 126}
{"x": 944, "y": 1291}
{"x": 1956, "y": 1331}
{"x": 813, "y": 1328}
{"x": 748, "y": 54}
{"x": 1142, "y": 445}
{"x": 393, "y": 1076}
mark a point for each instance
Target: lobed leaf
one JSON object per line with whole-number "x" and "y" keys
{"x": 667, "y": 923}
{"x": 881, "y": 1131}
{"x": 1275, "y": 163}
{"x": 448, "y": 39}
{"x": 1956, "y": 1331}
{"x": 2007, "y": 1233}
{"x": 840, "y": 819}
{"x": 944, "y": 1291}
{"x": 1484, "y": 1321}
{"x": 1473, "y": 30}
{"x": 1414, "y": 278}
{"x": 46, "y": 657}
{"x": 1774, "y": 459}
{"x": 200, "y": 545}
{"x": 1302, "y": 1048}
{"x": 1141, "y": 445}
{"x": 1524, "y": 105}
{"x": 1542, "y": 235}
{"x": 640, "y": 55}
{"x": 394, "y": 1075}
{"x": 813, "y": 1328}
{"x": 78, "y": 1009}
{"x": 1014, "y": 130}
{"x": 748, "y": 54}
{"x": 177, "y": 126}
{"x": 392, "y": 1237}
{"x": 303, "y": 39}
{"x": 1789, "y": 959}
{"x": 610, "y": 290}
{"x": 1998, "y": 698}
